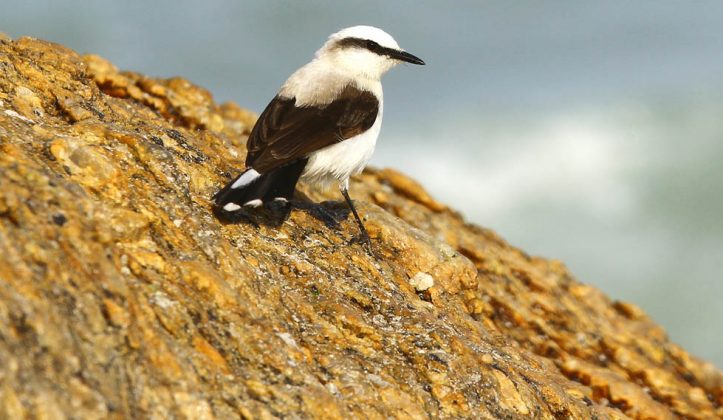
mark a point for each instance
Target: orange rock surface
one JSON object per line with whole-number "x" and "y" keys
{"x": 122, "y": 296}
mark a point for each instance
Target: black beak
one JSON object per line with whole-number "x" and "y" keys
{"x": 405, "y": 56}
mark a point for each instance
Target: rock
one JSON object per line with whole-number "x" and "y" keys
{"x": 421, "y": 281}
{"x": 121, "y": 295}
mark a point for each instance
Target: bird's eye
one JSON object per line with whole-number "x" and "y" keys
{"x": 372, "y": 45}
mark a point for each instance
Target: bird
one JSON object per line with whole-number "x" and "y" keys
{"x": 322, "y": 126}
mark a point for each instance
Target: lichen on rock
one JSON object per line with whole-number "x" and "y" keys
{"x": 121, "y": 295}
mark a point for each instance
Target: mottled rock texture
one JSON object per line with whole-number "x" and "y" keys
{"x": 122, "y": 296}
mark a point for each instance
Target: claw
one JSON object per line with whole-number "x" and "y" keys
{"x": 365, "y": 241}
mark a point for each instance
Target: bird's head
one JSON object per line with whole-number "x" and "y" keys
{"x": 364, "y": 51}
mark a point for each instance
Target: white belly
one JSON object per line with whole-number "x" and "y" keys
{"x": 336, "y": 163}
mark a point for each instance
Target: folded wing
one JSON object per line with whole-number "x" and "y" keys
{"x": 285, "y": 133}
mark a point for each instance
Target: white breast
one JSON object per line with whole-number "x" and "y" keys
{"x": 336, "y": 163}
{"x": 320, "y": 81}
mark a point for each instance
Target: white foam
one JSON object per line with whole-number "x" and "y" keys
{"x": 579, "y": 160}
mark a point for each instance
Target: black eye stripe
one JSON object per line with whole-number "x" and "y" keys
{"x": 373, "y": 46}
{"x": 366, "y": 44}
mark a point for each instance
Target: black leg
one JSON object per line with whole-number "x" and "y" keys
{"x": 364, "y": 235}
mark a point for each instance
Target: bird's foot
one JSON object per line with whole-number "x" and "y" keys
{"x": 365, "y": 241}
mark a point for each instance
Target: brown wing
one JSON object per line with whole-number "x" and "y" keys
{"x": 285, "y": 133}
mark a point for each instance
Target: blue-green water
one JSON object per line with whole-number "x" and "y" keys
{"x": 590, "y": 132}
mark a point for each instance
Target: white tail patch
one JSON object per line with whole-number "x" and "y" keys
{"x": 245, "y": 179}
{"x": 253, "y": 203}
{"x": 231, "y": 207}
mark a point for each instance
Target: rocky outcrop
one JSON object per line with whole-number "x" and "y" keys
{"x": 121, "y": 295}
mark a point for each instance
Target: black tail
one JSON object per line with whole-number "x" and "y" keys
{"x": 279, "y": 183}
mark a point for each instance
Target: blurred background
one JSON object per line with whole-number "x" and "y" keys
{"x": 590, "y": 132}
